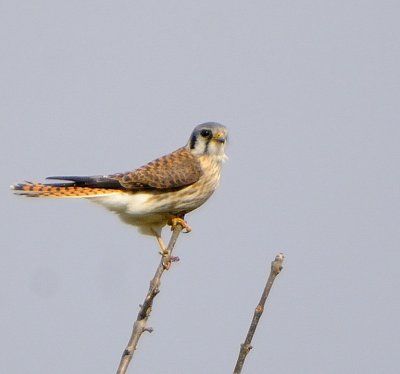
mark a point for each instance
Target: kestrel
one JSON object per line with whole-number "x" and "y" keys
{"x": 158, "y": 193}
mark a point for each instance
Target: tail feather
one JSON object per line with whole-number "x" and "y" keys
{"x": 96, "y": 181}
{"x": 60, "y": 190}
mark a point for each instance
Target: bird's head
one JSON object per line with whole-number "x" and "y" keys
{"x": 208, "y": 139}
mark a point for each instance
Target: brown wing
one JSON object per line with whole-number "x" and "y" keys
{"x": 177, "y": 169}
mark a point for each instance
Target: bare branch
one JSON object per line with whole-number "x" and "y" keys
{"x": 140, "y": 324}
{"x": 276, "y": 267}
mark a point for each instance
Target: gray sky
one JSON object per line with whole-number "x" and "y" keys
{"x": 310, "y": 93}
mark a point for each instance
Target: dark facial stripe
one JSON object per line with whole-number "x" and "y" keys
{"x": 193, "y": 141}
{"x": 207, "y": 143}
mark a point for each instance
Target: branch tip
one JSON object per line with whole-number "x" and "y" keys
{"x": 276, "y": 265}
{"x": 174, "y": 259}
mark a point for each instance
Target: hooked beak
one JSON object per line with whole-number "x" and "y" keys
{"x": 220, "y": 137}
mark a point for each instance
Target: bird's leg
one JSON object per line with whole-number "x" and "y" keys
{"x": 178, "y": 220}
{"x": 164, "y": 251}
{"x": 161, "y": 244}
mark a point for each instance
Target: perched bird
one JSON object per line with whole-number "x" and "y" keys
{"x": 158, "y": 193}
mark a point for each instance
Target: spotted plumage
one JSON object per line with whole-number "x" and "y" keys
{"x": 178, "y": 169}
{"x": 47, "y": 190}
{"x": 150, "y": 196}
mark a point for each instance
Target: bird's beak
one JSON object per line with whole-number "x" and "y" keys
{"x": 220, "y": 137}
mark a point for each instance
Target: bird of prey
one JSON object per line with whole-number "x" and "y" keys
{"x": 158, "y": 193}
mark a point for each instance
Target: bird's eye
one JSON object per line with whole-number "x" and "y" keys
{"x": 206, "y": 133}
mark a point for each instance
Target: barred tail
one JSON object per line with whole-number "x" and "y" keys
{"x": 60, "y": 190}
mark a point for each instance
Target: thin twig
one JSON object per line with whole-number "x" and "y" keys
{"x": 140, "y": 324}
{"x": 276, "y": 267}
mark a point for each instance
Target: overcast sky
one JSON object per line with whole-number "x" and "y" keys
{"x": 310, "y": 93}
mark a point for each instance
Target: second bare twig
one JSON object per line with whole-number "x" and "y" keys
{"x": 276, "y": 267}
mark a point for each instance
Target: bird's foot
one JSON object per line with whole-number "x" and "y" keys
{"x": 166, "y": 254}
{"x": 168, "y": 259}
{"x": 173, "y": 222}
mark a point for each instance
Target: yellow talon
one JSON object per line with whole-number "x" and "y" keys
{"x": 173, "y": 222}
